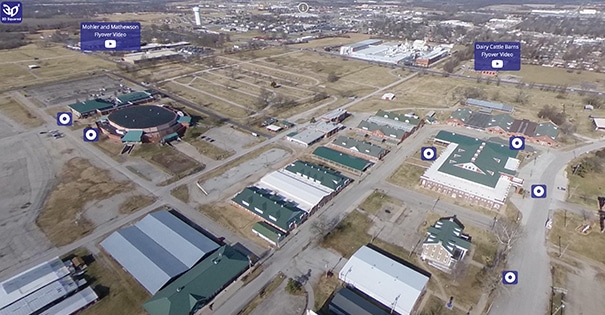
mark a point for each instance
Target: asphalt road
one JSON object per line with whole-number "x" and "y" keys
{"x": 529, "y": 255}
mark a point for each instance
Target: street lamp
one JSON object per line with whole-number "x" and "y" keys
{"x": 560, "y": 308}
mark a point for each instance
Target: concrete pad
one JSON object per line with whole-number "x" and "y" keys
{"x": 229, "y": 138}
{"x": 234, "y": 178}
{"x": 146, "y": 169}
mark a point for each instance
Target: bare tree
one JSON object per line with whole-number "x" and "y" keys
{"x": 264, "y": 98}
{"x": 507, "y": 233}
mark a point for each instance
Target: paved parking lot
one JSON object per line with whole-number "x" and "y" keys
{"x": 219, "y": 187}
{"x": 229, "y": 138}
{"x": 25, "y": 176}
{"x": 66, "y": 92}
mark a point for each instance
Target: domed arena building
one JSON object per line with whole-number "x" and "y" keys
{"x": 144, "y": 123}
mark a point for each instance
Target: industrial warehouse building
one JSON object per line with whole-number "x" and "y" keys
{"x": 343, "y": 160}
{"x": 158, "y": 248}
{"x": 41, "y": 287}
{"x": 151, "y": 56}
{"x": 395, "y": 53}
{"x": 490, "y": 105}
{"x": 144, "y": 123}
{"x": 363, "y": 149}
{"x": 505, "y": 125}
{"x": 389, "y": 126}
{"x": 391, "y": 281}
{"x": 102, "y": 106}
{"x": 474, "y": 170}
{"x": 315, "y": 132}
{"x": 279, "y": 213}
{"x": 196, "y": 288}
{"x": 297, "y": 187}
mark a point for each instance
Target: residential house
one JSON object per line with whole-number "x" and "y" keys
{"x": 445, "y": 244}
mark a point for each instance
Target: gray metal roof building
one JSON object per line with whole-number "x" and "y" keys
{"x": 158, "y": 248}
{"x": 73, "y": 303}
{"x": 490, "y": 105}
{"x": 349, "y": 302}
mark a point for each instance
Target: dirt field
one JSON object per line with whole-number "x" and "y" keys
{"x": 166, "y": 158}
{"x": 134, "y": 203}
{"x": 19, "y": 113}
{"x": 378, "y": 201}
{"x": 80, "y": 183}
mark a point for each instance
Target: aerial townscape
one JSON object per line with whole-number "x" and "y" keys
{"x": 331, "y": 157}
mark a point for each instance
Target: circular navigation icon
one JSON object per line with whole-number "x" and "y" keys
{"x": 303, "y": 7}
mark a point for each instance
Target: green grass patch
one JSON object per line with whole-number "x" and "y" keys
{"x": 349, "y": 235}
{"x": 407, "y": 175}
{"x": 591, "y": 245}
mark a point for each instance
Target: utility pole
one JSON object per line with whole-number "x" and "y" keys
{"x": 560, "y": 246}
{"x": 565, "y": 219}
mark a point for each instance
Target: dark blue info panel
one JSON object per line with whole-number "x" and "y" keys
{"x": 497, "y": 56}
{"x": 110, "y": 36}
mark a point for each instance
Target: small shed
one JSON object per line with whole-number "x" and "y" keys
{"x": 588, "y": 107}
{"x": 274, "y": 128}
{"x": 388, "y": 96}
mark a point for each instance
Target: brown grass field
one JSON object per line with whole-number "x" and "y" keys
{"x": 120, "y": 293}
{"x": 584, "y": 190}
{"x": 167, "y": 158}
{"x": 206, "y": 101}
{"x": 181, "y": 193}
{"x": 136, "y": 202}
{"x": 55, "y": 64}
{"x": 19, "y": 113}
{"x": 80, "y": 183}
{"x": 237, "y": 220}
{"x": 591, "y": 245}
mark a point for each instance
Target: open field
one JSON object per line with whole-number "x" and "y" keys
{"x": 261, "y": 53}
{"x": 348, "y": 38}
{"x": 167, "y": 158}
{"x": 181, "y": 193}
{"x": 377, "y": 201}
{"x": 407, "y": 175}
{"x": 55, "y": 64}
{"x": 80, "y": 183}
{"x": 591, "y": 245}
{"x": 218, "y": 90}
{"x": 584, "y": 190}
{"x": 237, "y": 220}
{"x": 166, "y": 71}
{"x": 145, "y": 18}
{"x": 210, "y": 150}
{"x": 554, "y": 76}
{"x": 137, "y": 202}
{"x": 349, "y": 235}
{"x": 119, "y": 293}
{"x": 19, "y": 113}
{"x": 211, "y": 103}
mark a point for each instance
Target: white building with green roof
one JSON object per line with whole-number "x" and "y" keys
{"x": 473, "y": 170}
{"x": 445, "y": 244}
